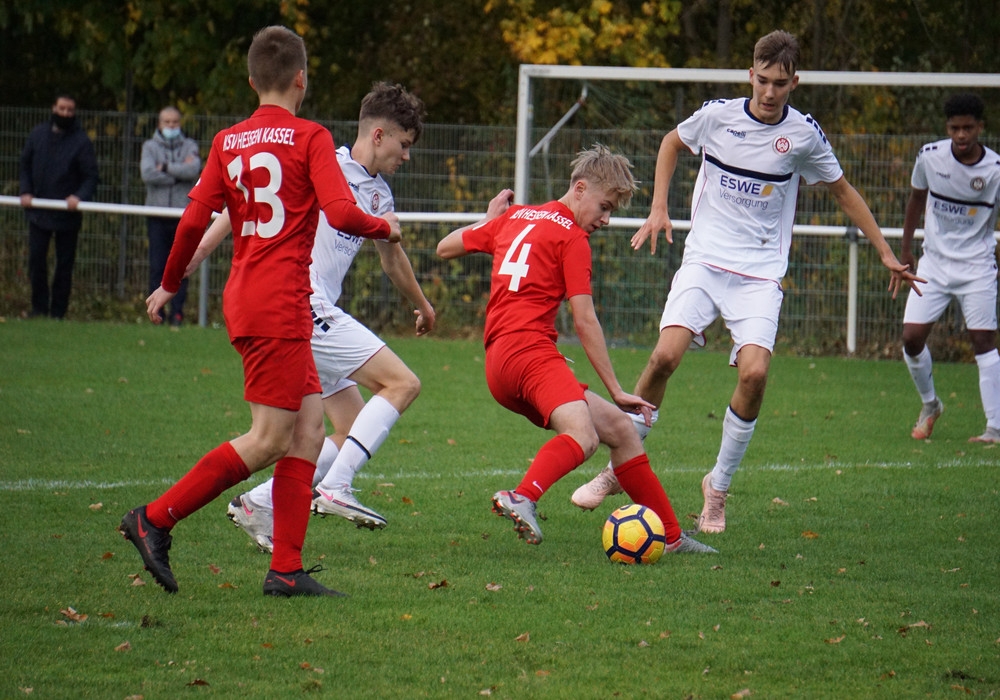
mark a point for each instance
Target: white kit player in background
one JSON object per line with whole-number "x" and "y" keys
{"x": 346, "y": 352}
{"x": 956, "y": 189}
{"x": 754, "y": 153}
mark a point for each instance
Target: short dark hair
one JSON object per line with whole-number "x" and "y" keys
{"x": 779, "y": 47}
{"x": 276, "y": 55}
{"x": 964, "y": 104}
{"x": 393, "y": 103}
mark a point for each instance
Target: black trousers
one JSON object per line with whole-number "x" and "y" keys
{"x": 161, "y": 233}
{"x": 42, "y": 302}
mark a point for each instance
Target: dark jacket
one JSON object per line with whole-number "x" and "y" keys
{"x": 54, "y": 165}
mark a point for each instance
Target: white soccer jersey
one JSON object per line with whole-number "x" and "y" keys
{"x": 334, "y": 251}
{"x": 743, "y": 205}
{"x": 961, "y": 212}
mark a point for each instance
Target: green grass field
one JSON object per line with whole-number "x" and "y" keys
{"x": 858, "y": 563}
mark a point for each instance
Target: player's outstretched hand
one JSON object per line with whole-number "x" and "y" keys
{"x": 656, "y": 221}
{"x": 901, "y": 276}
{"x": 425, "y": 320}
{"x": 630, "y": 403}
{"x": 155, "y": 303}
{"x": 395, "y": 232}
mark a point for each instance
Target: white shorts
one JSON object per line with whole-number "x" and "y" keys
{"x": 976, "y": 296}
{"x": 340, "y": 345}
{"x": 749, "y": 306}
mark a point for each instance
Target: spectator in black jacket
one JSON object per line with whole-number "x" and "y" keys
{"x": 58, "y": 162}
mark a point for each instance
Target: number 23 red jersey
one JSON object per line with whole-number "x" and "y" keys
{"x": 540, "y": 258}
{"x": 273, "y": 171}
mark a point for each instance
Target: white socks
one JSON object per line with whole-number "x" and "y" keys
{"x": 989, "y": 386}
{"x": 260, "y": 495}
{"x": 736, "y": 434}
{"x": 369, "y": 431}
{"x": 921, "y": 370}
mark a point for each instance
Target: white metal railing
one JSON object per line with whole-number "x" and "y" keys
{"x": 850, "y": 233}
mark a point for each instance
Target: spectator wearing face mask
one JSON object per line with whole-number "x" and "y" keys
{"x": 170, "y": 166}
{"x": 58, "y": 162}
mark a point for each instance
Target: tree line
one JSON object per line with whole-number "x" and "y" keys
{"x": 461, "y": 56}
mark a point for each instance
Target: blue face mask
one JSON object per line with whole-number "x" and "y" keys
{"x": 170, "y": 134}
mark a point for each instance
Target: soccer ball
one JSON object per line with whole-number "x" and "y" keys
{"x": 634, "y": 534}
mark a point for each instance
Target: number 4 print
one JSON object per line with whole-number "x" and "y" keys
{"x": 517, "y": 269}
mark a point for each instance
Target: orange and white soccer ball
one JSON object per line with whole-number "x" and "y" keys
{"x": 634, "y": 534}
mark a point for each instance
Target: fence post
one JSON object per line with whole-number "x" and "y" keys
{"x": 852, "y": 288}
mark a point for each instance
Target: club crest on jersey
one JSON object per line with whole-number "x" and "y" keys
{"x": 782, "y": 145}
{"x": 978, "y": 184}
{"x": 375, "y": 201}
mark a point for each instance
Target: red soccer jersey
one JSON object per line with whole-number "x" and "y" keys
{"x": 273, "y": 171}
{"x": 540, "y": 258}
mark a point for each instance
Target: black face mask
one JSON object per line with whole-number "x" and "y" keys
{"x": 64, "y": 123}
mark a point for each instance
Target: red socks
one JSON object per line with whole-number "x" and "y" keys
{"x": 214, "y": 473}
{"x": 642, "y": 486}
{"x": 557, "y": 458}
{"x": 291, "y": 492}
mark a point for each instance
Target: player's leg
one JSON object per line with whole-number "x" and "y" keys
{"x": 347, "y": 351}
{"x": 922, "y": 311}
{"x": 292, "y": 494}
{"x": 531, "y": 378}
{"x": 634, "y": 473}
{"x": 979, "y": 308}
{"x": 395, "y": 387}
{"x": 253, "y": 511}
{"x": 750, "y": 309}
{"x": 673, "y": 342}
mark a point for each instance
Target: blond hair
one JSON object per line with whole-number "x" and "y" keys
{"x": 602, "y": 168}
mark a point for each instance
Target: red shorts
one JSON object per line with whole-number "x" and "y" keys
{"x": 528, "y": 375}
{"x": 277, "y": 372}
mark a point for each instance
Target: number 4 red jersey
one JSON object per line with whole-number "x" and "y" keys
{"x": 273, "y": 171}
{"x": 540, "y": 258}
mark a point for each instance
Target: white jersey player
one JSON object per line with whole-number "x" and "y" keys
{"x": 754, "y": 153}
{"x": 345, "y": 351}
{"x": 956, "y": 190}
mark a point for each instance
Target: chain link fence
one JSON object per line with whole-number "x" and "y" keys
{"x": 458, "y": 168}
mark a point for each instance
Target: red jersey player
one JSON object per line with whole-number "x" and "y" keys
{"x": 273, "y": 172}
{"x": 541, "y": 256}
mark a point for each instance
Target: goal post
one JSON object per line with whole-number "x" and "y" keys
{"x": 530, "y": 72}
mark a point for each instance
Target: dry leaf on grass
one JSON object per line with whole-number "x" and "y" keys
{"x": 836, "y": 640}
{"x": 741, "y": 693}
{"x": 810, "y": 535}
{"x": 493, "y": 586}
{"x": 523, "y": 637}
{"x": 441, "y": 584}
{"x": 96, "y": 506}
{"x": 124, "y": 646}
{"x": 72, "y": 615}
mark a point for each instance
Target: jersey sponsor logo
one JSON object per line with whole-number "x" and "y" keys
{"x": 737, "y": 134}
{"x": 943, "y": 176}
{"x": 375, "y": 201}
{"x": 782, "y": 145}
{"x": 758, "y": 189}
{"x": 978, "y": 184}
{"x": 264, "y": 134}
{"x": 346, "y": 243}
